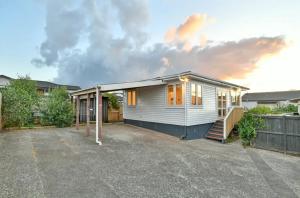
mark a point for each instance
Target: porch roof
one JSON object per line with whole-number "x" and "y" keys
{"x": 119, "y": 86}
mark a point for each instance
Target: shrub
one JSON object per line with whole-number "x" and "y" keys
{"x": 286, "y": 109}
{"x": 260, "y": 110}
{"x": 57, "y": 109}
{"x": 247, "y": 127}
{"x": 112, "y": 100}
{"x": 19, "y": 100}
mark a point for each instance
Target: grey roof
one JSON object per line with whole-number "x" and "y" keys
{"x": 46, "y": 84}
{"x": 202, "y": 77}
{"x": 272, "y": 96}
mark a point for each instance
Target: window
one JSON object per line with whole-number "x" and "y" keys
{"x": 199, "y": 95}
{"x": 193, "y": 86}
{"x": 175, "y": 94}
{"x": 178, "y": 94}
{"x": 196, "y": 91}
{"x": 222, "y": 103}
{"x": 170, "y": 94}
{"x": 131, "y": 98}
{"x": 235, "y": 98}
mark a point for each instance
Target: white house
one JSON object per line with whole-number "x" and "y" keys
{"x": 186, "y": 105}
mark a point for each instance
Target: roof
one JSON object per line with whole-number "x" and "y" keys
{"x": 272, "y": 96}
{"x": 46, "y": 84}
{"x": 202, "y": 78}
{"x": 3, "y": 76}
{"x": 156, "y": 81}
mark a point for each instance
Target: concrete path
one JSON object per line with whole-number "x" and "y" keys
{"x": 135, "y": 162}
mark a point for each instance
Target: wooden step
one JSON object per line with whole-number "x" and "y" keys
{"x": 213, "y": 133}
{"x": 214, "y": 137}
{"x": 216, "y": 130}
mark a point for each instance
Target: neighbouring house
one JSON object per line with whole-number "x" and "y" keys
{"x": 271, "y": 99}
{"x": 43, "y": 87}
{"x": 186, "y": 105}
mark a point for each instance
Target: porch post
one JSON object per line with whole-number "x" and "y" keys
{"x": 77, "y": 111}
{"x": 0, "y": 111}
{"x": 98, "y": 116}
{"x": 88, "y": 115}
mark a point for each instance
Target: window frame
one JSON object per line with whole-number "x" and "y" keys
{"x": 174, "y": 105}
{"x": 131, "y": 98}
{"x": 237, "y": 98}
{"x": 197, "y": 85}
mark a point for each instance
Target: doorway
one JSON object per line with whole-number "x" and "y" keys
{"x": 222, "y": 103}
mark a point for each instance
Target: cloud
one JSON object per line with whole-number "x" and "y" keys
{"x": 110, "y": 57}
{"x": 188, "y": 29}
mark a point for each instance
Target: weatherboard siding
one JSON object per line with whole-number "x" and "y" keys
{"x": 151, "y": 107}
{"x": 206, "y": 113}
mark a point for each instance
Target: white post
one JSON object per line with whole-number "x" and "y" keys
{"x": 97, "y": 116}
{"x": 0, "y": 111}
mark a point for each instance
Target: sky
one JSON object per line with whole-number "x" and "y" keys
{"x": 84, "y": 42}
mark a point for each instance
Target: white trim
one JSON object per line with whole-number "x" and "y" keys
{"x": 97, "y": 116}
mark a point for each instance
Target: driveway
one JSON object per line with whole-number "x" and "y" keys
{"x": 135, "y": 162}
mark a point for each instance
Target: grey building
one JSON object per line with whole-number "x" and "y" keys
{"x": 43, "y": 87}
{"x": 270, "y": 99}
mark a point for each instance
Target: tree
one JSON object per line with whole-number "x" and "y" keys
{"x": 57, "y": 109}
{"x": 19, "y": 100}
{"x": 112, "y": 100}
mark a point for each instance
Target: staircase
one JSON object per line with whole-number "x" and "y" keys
{"x": 216, "y": 132}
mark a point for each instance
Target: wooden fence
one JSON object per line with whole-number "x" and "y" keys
{"x": 280, "y": 133}
{"x": 231, "y": 119}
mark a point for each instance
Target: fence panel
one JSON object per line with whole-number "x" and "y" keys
{"x": 281, "y": 133}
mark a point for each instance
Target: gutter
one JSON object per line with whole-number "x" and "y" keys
{"x": 185, "y": 80}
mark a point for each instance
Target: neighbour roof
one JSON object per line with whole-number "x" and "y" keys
{"x": 46, "y": 84}
{"x": 156, "y": 81}
{"x": 272, "y": 96}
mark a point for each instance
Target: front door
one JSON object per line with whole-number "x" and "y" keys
{"x": 222, "y": 102}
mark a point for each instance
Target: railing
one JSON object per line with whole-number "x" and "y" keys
{"x": 233, "y": 116}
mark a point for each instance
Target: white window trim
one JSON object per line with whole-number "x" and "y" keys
{"x": 196, "y": 87}
{"x": 174, "y": 105}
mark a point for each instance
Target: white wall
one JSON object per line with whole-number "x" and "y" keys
{"x": 151, "y": 106}
{"x": 206, "y": 113}
{"x": 4, "y": 82}
{"x": 249, "y": 104}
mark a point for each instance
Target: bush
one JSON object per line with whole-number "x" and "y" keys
{"x": 57, "y": 109}
{"x": 19, "y": 100}
{"x": 112, "y": 100}
{"x": 286, "y": 109}
{"x": 247, "y": 127}
{"x": 260, "y": 110}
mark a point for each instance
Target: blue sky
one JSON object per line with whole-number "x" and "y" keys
{"x": 23, "y": 29}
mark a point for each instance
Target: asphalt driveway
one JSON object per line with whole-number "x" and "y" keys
{"x": 135, "y": 162}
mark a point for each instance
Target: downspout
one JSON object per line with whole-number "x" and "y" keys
{"x": 185, "y": 107}
{"x": 97, "y": 116}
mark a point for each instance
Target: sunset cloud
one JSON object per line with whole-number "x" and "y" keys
{"x": 108, "y": 58}
{"x": 188, "y": 29}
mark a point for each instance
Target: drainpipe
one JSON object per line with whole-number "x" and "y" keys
{"x": 97, "y": 116}
{"x": 185, "y": 80}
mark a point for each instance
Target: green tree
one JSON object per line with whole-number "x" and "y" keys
{"x": 112, "y": 100}
{"x": 19, "y": 100}
{"x": 57, "y": 109}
